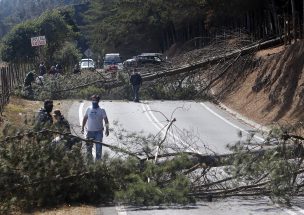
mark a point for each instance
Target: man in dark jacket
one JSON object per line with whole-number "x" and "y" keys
{"x": 42, "y": 69}
{"x": 136, "y": 82}
{"x": 44, "y": 118}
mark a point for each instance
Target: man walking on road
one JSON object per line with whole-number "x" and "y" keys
{"x": 95, "y": 116}
{"x": 136, "y": 82}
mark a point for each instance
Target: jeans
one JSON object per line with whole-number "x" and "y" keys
{"x": 97, "y": 136}
{"x": 135, "y": 89}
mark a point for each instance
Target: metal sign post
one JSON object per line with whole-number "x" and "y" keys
{"x": 38, "y": 42}
{"x": 88, "y": 53}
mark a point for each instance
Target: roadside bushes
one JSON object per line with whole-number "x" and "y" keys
{"x": 51, "y": 24}
{"x": 65, "y": 87}
{"x": 37, "y": 173}
{"x": 158, "y": 183}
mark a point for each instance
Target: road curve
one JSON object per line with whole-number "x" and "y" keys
{"x": 205, "y": 123}
{"x": 200, "y": 127}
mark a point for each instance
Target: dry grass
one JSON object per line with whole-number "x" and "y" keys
{"x": 19, "y": 110}
{"x": 67, "y": 210}
{"x": 267, "y": 52}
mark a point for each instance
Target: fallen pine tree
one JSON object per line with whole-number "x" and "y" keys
{"x": 31, "y": 163}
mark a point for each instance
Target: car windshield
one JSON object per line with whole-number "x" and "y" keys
{"x": 87, "y": 63}
{"x": 112, "y": 59}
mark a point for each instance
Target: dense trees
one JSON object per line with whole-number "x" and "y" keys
{"x": 121, "y": 24}
{"x": 17, "y": 44}
{"x": 15, "y": 11}
{"x": 133, "y": 26}
{"x": 112, "y": 24}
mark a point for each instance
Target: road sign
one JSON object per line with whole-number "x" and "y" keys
{"x": 38, "y": 41}
{"x": 88, "y": 53}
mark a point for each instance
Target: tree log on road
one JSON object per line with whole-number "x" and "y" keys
{"x": 110, "y": 84}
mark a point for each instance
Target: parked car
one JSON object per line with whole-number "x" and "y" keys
{"x": 87, "y": 64}
{"x": 129, "y": 63}
{"x": 86, "y": 60}
{"x": 112, "y": 61}
{"x": 144, "y": 59}
{"x": 149, "y": 58}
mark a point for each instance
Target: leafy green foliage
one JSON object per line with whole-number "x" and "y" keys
{"x": 157, "y": 184}
{"x": 17, "y": 44}
{"x": 279, "y": 166}
{"x": 13, "y": 12}
{"x": 111, "y": 24}
{"x": 68, "y": 55}
{"x": 36, "y": 173}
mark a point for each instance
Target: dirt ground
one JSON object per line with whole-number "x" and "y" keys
{"x": 273, "y": 90}
{"x": 20, "y": 114}
{"x": 68, "y": 210}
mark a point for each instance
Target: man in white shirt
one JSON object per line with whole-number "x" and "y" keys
{"x": 95, "y": 116}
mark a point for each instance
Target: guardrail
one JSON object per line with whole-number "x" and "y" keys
{"x": 11, "y": 76}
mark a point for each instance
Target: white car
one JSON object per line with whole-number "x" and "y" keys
{"x": 87, "y": 64}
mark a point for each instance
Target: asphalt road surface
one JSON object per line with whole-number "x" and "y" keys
{"x": 200, "y": 127}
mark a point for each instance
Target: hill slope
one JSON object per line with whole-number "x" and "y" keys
{"x": 271, "y": 90}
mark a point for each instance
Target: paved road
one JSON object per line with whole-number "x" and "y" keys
{"x": 210, "y": 129}
{"x": 206, "y": 124}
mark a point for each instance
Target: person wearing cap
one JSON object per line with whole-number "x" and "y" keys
{"x": 44, "y": 118}
{"x": 94, "y": 118}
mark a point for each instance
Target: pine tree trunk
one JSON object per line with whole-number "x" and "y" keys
{"x": 293, "y": 11}
{"x": 164, "y": 39}
{"x": 285, "y": 30}
{"x": 275, "y": 16}
{"x": 173, "y": 33}
{"x": 303, "y": 21}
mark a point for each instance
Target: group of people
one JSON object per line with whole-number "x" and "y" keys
{"x": 95, "y": 119}
{"x": 53, "y": 70}
{"x": 55, "y": 121}
{"x": 38, "y": 78}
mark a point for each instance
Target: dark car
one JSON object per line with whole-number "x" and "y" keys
{"x": 149, "y": 58}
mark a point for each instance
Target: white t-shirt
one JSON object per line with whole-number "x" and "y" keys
{"x": 95, "y": 118}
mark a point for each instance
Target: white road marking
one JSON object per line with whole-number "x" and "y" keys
{"x": 148, "y": 112}
{"x": 257, "y": 137}
{"x": 228, "y": 122}
{"x": 298, "y": 209}
{"x": 80, "y": 113}
{"x": 121, "y": 210}
{"x": 290, "y": 212}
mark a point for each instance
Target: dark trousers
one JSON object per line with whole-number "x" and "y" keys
{"x": 135, "y": 89}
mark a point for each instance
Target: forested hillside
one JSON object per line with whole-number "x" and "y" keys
{"x": 131, "y": 27}
{"x": 16, "y": 11}
{"x": 143, "y": 25}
